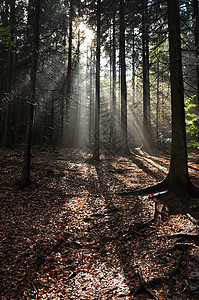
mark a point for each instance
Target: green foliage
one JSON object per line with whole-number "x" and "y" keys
{"x": 192, "y": 123}
{"x": 6, "y": 38}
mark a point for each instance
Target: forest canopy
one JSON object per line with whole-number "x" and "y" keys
{"x": 134, "y": 71}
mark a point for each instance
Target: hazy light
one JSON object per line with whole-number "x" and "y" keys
{"x": 88, "y": 36}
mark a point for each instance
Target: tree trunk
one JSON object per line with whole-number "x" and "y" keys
{"x": 158, "y": 98}
{"x": 25, "y": 175}
{"x": 91, "y": 102}
{"x": 96, "y": 155}
{"x": 124, "y": 134}
{"x": 196, "y": 33}
{"x": 147, "y": 138}
{"x": 133, "y": 68}
{"x": 178, "y": 177}
{"x": 6, "y": 140}
{"x": 69, "y": 73}
{"x": 113, "y": 102}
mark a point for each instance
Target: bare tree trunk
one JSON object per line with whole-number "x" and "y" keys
{"x": 69, "y": 73}
{"x": 133, "y": 69}
{"x": 158, "y": 98}
{"x": 6, "y": 140}
{"x": 96, "y": 154}
{"x": 113, "y": 104}
{"x": 146, "y": 85}
{"x": 178, "y": 177}
{"x": 91, "y": 99}
{"x": 25, "y": 174}
{"x": 196, "y": 33}
{"x": 124, "y": 130}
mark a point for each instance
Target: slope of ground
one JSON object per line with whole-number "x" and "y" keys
{"x": 70, "y": 235}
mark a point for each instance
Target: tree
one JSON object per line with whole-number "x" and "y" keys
{"x": 177, "y": 183}
{"x": 146, "y": 85}
{"x": 69, "y": 71}
{"x": 196, "y": 34}
{"x": 96, "y": 154}
{"x": 124, "y": 129}
{"x": 178, "y": 178}
{"x": 25, "y": 174}
{"x": 6, "y": 141}
{"x": 113, "y": 100}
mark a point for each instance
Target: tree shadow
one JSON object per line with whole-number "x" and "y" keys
{"x": 46, "y": 232}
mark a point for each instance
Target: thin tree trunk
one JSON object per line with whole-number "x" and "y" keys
{"x": 114, "y": 111}
{"x": 158, "y": 98}
{"x": 69, "y": 73}
{"x": 146, "y": 85}
{"x": 91, "y": 99}
{"x": 124, "y": 134}
{"x": 196, "y": 33}
{"x": 96, "y": 154}
{"x": 133, "y": 69}
{"x": 6, "y": 140}
{"x": 25, "y": 174}
{"x": 76, "y": 122}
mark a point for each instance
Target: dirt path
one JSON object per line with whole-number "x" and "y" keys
{"x": 70, "y": 236}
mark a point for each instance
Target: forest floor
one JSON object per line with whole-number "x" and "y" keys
{"x": 71, "y": 235}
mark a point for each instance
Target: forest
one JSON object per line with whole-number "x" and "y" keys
{"x": 99, "y": 149}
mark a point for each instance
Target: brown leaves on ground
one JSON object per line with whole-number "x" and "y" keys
{"x": 70, "y": 236}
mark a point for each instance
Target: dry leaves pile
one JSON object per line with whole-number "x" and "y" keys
{"x": 69, "y": 235}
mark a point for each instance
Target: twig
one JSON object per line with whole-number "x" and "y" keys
{"x": 35, "y": 289}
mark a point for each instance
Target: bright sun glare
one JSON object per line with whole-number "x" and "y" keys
{"x": 88, "y": 35}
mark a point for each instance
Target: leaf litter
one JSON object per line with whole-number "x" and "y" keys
{"x": 69, "y": 235}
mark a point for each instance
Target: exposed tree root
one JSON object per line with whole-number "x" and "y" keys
{"x": 193, "y": 220}
{"x": 161, "y": 186}
{"x": 177, "y": 266}
{"x": 180, "y": 246}
{"x": 143, "y": 288}
{"x": 185, "y": 236}
{"x": 194, "y": 190}
{"x": 157, "y": 216}
{"x": 177, "y": 198}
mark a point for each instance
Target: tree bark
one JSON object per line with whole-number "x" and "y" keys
{"x": 25, "y": 174}
{"x": 69, "y": 75}
{"x": 113, "y": 102}
{"x": 196, "y": 33}
{"x": 147, "y": 137}
{"x": 178, "y": 174}
{"x": 6, "y": 140}
{"x": 96, "y": 154}
{"x": 124, "y": 129}
{"x": 91, "y": 99}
